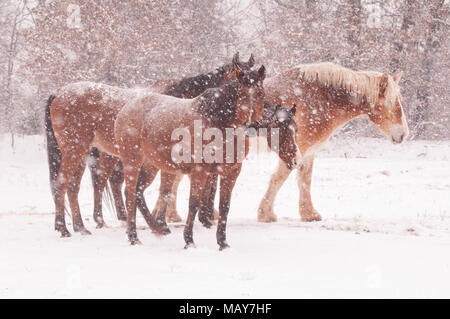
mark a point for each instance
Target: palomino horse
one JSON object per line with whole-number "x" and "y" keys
{"x": 80, "y": 116}
{"x": 102, "y": 164}
{"x": 140, "y": 135}
{"x": 328, "y": 96}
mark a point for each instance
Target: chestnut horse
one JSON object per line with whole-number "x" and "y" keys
{"x": 145, "y": 127}
{"x": 274, "y": 117}
{"x": 328, "y": 96}
{"x": 82, "y": 115}
{"x": 102, "y": 164}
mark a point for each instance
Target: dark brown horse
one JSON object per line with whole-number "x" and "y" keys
{"x": 141, "y": 137}
{"x": 102, "y": 163}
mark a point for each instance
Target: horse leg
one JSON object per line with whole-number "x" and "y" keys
{"x": 214, "y": 212}
{"x": 206, "y": 213}
{"x": 106, "y": 165}
{"x": 72, "y": 194}
{"x": 227, "y": 182}
{"x": 304, "y": 176}
{"x": 172, "y": 215}
{"x": 70, "y": 162}
{"x": 159, "y": 212}
{"x": 116, "y": 183}
{"x": 147, "y": 175}
{"x": 132, "y": 164}
{"x": 265, "y": 209}
{"x": 93, "y": 165}
{"x": 198, "y": 180}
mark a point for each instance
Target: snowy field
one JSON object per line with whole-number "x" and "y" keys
{"x": 385, "y": 233}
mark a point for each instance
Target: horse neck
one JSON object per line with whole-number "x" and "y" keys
{"x": 338, "y": 108}
{"x": 345, "y": 107}
{"x": 218, "y": 106}
{"x": 193, "y": 86}
{"x": 210, "y": 80}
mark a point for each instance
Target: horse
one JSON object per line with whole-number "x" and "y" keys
{"x": 328, "y": 96}
{"x": 274, "y": 117}
{"x": 102, "y": 164}
{"x": 80, "y": 116}
{"x": 140, "y": 135}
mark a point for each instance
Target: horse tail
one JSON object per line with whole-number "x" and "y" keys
{"x": 109, "y": 198}
{"x": 53, "y": 151}
{"x": 93, "y": 166}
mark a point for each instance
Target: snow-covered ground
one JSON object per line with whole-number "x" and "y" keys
{"x": 385, "y": 233}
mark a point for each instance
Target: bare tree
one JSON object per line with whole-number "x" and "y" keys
{"x": 15, "y": 14}
{"x": 135, "y": 42}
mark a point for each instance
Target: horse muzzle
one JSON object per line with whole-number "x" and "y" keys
{"x": 398, "y": 134}
{"x": 293, "y": 164}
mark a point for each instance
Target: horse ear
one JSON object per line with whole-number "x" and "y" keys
{"x": 236, "y": 58}
{"x": 384, "y": 83}
{"x": 293, "y": 109}
{"x": 239, "y": 73}
{"x": 397, "y": 77}
{"x": 262, "y": 73}
{"x": 251, "y": 61}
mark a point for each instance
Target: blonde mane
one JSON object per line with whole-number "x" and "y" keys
{"x": 366, "y": 84}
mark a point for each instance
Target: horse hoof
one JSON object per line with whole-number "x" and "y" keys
{"x": 314, "y": 217}
{"x": 309, "y": 219}
{"x": 101, "y": 225}
{"x": 267, "y": 218}
{"x": 174, "y": 218}
{"x": 206, "y": 222}
{"x": 223, "y": 246}
{"x": 62, "y": 229}
{"x": 266, "y": 215}
{"x": 85, "y": 232}
{"x": 132, "y": 237}
{"x": 165, "y": 230}
{"x": 65, "y": 234}
{"x": 134, "y": 241}
{"x": 162, "y": 230}
{"x": 82, "y": 230}
{"x": 159, "y": 227}
{"x": 189, "y": 245}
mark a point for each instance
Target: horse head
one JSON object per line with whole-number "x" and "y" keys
{"x": 250, "y": 91}
{"x": 387, "y": 113}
